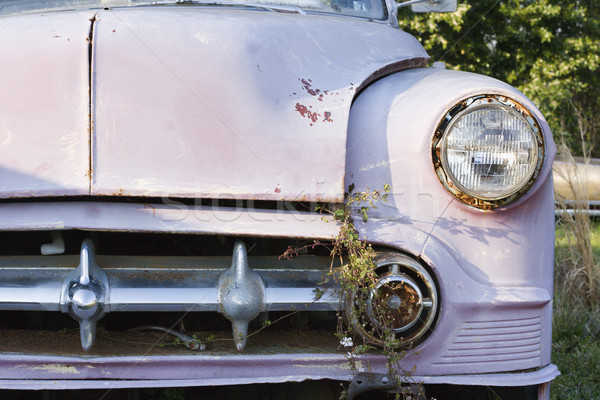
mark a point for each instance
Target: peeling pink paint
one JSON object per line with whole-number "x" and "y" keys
{"x": 307, "y": 85}
{"x": 305, "y": 112}
{"x": 312, "y": 115}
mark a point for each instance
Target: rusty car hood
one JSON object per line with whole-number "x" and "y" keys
{"x": 205, "y": 102}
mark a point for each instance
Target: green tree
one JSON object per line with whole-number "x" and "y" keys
{"x": 548, "y": 49}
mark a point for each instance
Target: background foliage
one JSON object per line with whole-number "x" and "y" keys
{"x": 548, "y": 49}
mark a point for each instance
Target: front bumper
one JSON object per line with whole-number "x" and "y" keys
{"x": 47, "y": 372}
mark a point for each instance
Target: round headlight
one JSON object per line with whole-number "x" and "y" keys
{"x": 488, "y": 150}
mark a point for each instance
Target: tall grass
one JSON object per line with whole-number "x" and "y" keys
{"x": 576, "y": 321}
{"x": 577, "y": 269}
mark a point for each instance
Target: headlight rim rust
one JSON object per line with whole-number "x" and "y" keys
{"x": 394, "y": 266}
{"x": 442, "y": 130}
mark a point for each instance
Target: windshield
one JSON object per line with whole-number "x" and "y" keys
{"x": 372, "y": 9}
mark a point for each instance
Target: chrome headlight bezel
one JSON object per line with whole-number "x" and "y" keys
{"x": 444, "y": 173}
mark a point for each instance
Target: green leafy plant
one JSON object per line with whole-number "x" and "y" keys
{"x": 357, "y": 279}
{"x": 355, "y": 255}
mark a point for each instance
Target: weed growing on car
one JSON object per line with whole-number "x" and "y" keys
{"x": 357, "y": 279}
{"x": 355, "y": 274}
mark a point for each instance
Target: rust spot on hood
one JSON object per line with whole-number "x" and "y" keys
{"x": 307, "y": 85}
{"x": 313, "y": 115}
{"x": 318, "y": 93}
{"x": 305, "y": 112}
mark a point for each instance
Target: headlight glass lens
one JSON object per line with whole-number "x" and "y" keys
{"x": 490, "y": 149}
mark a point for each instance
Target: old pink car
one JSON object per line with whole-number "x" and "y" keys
{"x": 157, "y": 158}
